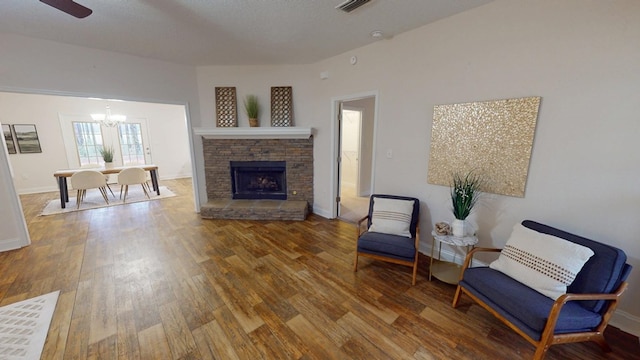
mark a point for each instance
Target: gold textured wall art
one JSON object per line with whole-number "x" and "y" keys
{"x": 226, "y": 107}
{"x": 491, "y": 138}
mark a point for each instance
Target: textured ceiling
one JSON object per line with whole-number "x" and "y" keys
{"x": 225, "y": 32}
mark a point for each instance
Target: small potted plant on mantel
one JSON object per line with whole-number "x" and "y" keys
{"x": 465, "y": 192}
{"x": 252, "y": 108}
{"x": 107, "y": 156}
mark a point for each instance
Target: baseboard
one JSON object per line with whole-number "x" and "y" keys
{"x": 626, "y": 322}
{"x": 44, "y": 189}
{"x": 10, "y": 244}
{"x": 321, "y": 212}
{"x": 37, "y": 190}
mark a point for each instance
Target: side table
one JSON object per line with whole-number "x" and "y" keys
{"x": 443, "y": 270}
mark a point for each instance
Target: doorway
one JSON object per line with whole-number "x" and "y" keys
{"x": 354, "y": 182}
{"x": 163, "y": 128}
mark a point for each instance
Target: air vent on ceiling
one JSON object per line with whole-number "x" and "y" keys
{"x": 350, "y": 5}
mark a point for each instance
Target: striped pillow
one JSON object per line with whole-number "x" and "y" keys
{"x": 391, "y": 216}
{"x": 546, "y": 263}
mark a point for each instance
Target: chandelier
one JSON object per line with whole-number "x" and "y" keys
{"x": 109, "y": 119}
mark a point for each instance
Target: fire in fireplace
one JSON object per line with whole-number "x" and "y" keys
{"x": 259, "y": 180}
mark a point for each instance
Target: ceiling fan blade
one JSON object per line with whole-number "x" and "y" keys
{"x": 70, "y": 7}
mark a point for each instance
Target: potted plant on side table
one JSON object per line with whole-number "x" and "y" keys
{"x": 465, "y": 191}
{"x": 252, "y": 108}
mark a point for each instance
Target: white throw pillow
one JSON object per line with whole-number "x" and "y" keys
{"x": 391, "y": 216}
{"x": 543, "y": 262}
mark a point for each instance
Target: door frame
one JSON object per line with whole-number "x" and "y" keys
{"x": 335, "y": 148}
{"x": 6, "y": 172}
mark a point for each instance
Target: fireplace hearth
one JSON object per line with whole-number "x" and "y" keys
{"x": 258, "y": 180}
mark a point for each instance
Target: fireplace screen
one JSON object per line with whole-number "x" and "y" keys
{"x": 259, "y": 180}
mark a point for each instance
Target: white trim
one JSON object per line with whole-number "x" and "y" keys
{"x": 14, "y": 205}
{"x": 321, "y": 212}
{"x": 12, "y": 244}
{"x": 626, "y": 322}
{"x": 335, "y": 137}
{"x": 254, "y": 133}
{"x": 93, "y": 95}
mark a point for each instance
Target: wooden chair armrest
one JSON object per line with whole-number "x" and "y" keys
{"x": 359, "y": 225}
{"x": 578, "y": 297}
{"x": 469, "y": 257}
{"x": 563, "y": 299}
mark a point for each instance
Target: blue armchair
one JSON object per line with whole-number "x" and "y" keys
{"x": 582, "y": 314}
{"x": 392, "y": 232}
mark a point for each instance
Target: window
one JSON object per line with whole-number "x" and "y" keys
{"x": 131, "y": 144}
{"x": 88, "y": 142}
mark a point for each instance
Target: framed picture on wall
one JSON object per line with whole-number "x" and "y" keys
{"x": 8, "y": 138}
{"x": 27, "y": 138}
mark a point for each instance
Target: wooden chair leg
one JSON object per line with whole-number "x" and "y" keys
{"x": 415, "y": 271}
{"x": 112, "y": 194}
{"x": 78, "y": 198}
{"x": 355, "y": 263}
{"x": 541, "y": 351}
{"x": 126, "y": 191}
{"x": 456, "y": 297}
{"x": 144, "y": 189}
{"x": 105, "y": 196}
{"x": 600, "y": 340}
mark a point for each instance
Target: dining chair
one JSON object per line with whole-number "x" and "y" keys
{"x": 133, "y": 176}
{"x": 88, "y": 179}
{"x": 107, "y": 177}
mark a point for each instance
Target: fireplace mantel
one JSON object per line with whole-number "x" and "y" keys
{"x": 254, "y": 132}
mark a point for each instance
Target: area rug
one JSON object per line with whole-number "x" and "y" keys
{"x": 24, "y": 326}
{"x": 94, "y": 200}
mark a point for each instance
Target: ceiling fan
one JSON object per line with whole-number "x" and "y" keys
{"x": 70, "y": 7}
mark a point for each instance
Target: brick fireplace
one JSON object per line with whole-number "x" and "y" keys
{"x": 291, "y": 147}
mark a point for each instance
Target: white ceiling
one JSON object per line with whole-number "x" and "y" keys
{"x": 225, "y": 32}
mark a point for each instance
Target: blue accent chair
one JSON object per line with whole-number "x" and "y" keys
{"x": 386, "y": 247}
{"x": 582, "y": 314}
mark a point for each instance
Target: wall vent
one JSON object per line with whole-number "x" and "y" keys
{"x": 350, "y": 5}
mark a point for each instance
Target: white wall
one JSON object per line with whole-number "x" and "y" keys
{"x": 581, "y": 57}
{"x": 168, "y": 135}
{"x": 38, "y": 66}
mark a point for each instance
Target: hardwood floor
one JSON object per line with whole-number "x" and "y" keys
{"x": 152, "y": 280}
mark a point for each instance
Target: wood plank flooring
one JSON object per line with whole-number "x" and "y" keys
{"x": 152, "y": 280}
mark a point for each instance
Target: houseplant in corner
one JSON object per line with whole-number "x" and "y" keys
{"x": 252, "y": 108}
{"x": 465, "y": 191}
{"x": 107, "y": 155}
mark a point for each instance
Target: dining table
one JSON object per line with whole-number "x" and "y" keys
{"x": 62, "y": 175}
